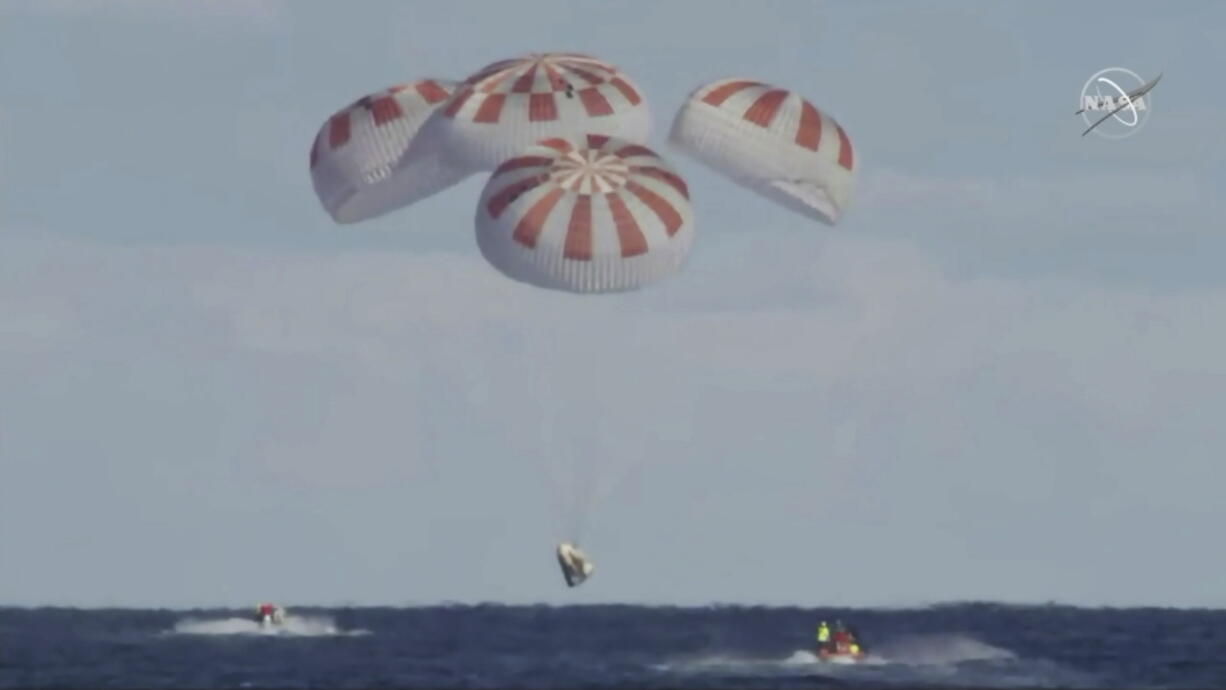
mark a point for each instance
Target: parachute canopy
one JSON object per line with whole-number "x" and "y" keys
{"x": 512, "y": 104}
{"x": 772, "y": 141}
{"x": 574, "y": 563}
{"x": 594, "y": 214}
{"x": 359, "y": 164}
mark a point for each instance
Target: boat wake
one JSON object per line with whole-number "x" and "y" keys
{"x": 944, "y": 659}
{"x": 294, "y": 626}
{"x": 939, "y": 650}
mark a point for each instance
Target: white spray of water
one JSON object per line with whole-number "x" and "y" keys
{"x": 801, "y": 657}
{"x": 946, "y": 659}
{"x": 294, "y": 626}
{"x": 947, "y": 650}
{"x": 939, "y": 650}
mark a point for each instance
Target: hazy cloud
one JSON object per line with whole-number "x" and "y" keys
{"x": 248, "y": 11}
{"x": 362, "y": 370}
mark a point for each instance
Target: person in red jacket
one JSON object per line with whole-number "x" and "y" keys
{"x": 265, "y": 613}
{"x": 841, "y": 638}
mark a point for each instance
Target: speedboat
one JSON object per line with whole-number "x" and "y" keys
{"x": 268, "y": 615}
{"x": 841, "y": 654}
{"x": 842, "y": 647}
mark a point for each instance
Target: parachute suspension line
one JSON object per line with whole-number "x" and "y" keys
{"x": 602, "y": 460}
{"x": 546, "y": 449}
{"x": 618, "y": 456}
{"x": 586, "y": 457}
{"x": 555, "y": 449}
{"x": 576, "y": 448}
{"x": 586, "y": 472}
{"x": 613, "y": 455}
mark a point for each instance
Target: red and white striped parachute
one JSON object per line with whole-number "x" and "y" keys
{"x": 512, "y": 104}
{"x": 359, "y": 162}
{"x": 586, "y": 214}
{"x": 772, "y": 141}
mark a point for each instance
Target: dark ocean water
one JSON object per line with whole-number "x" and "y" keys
{"x": 612, "y": 646}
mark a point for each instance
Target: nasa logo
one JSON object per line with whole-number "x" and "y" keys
{"x": 1115, "y": 103}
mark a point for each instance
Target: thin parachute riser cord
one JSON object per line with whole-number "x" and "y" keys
{"x": 592, "y": 436}
{"x": 585, "y": 465}
{"x": 598, "y": 471}
{"x": 612, "y": 450}
{"x": 556, "y": 451}
{"x": 586, "y": 474}
{"x": 574, "y": 414}
{"x": 544, "y": 401}
{"x": 611, "y": 486}
{"x": 599, "y": 476}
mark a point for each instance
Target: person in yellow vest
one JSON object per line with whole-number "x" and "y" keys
{"x": 823, "y": 635}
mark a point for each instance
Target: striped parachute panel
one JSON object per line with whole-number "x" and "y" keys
{"x": 771, "y": 140}
{"x": 512, "y": 104}
{"x": 360, "y": 162}
{"x": 586, "y": 214}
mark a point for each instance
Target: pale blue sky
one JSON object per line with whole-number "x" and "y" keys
{"x": 1000, "y": 377}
